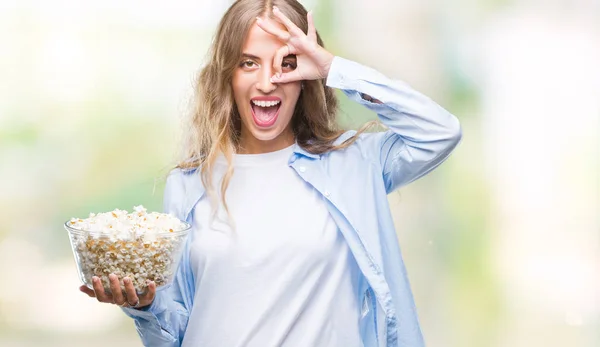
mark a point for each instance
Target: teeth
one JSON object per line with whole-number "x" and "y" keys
{"x": 265, "y": 103}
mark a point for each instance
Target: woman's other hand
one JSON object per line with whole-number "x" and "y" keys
{"x": 130, "y": 299}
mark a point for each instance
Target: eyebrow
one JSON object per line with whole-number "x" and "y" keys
{"x": 250, "y": 56}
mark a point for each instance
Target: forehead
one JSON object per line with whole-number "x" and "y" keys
{"x": 259, "y": 42}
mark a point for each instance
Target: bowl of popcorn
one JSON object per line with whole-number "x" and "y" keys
{"x": 140, "y": 245}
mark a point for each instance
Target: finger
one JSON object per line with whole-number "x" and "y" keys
{"x": 150, "y": 293}
{"x": 289, "y": 25}
{"x": 287, "y": 77}
{"x": 99, "y": 290}
{"x": 267, "y": 26}
{"x": 115, "y": 288}
{"x": 132, "y": 296}
{"x": 312, "y": 31}
{"x": 87, "y": 291}
{"x": 278, "y": 59}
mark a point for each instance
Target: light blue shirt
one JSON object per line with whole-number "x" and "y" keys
{"x": 355, "y": 183}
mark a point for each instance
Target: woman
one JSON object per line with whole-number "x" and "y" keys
{"x": 298, "y": 247}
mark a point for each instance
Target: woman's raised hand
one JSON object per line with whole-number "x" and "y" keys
{"x": 312, "y": 60}
{"x": 130, "y": 299}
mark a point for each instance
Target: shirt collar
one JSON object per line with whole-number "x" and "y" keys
{"x": 302, "y": 151}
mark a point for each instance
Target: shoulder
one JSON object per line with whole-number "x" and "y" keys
{"x": 181, "y": 185}
{"x": 367, "y": 145}
{"x": 174, "y": 189}
{"x": 174, "y": 178}
{"x": 180, "y": 178}
{"x": 345, "y": 136}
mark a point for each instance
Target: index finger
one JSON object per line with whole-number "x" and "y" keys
{"x": 267, "y": 26}
{"x": 289, "y": 25}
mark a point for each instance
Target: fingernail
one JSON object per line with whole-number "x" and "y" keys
{"x": 126, "y": 280}
{"x": 258, "y": 19}
{"x": 275, "y": 8}
{"x": 94, "y": 279}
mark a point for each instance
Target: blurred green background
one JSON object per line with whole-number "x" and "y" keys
{"x": 501, "y": 242}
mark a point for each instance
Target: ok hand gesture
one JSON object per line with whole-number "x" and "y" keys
{"x": 313, "y": 61}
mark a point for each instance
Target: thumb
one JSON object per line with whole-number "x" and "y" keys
{"x": 287, "y": 77}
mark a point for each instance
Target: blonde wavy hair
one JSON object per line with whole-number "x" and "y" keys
{"x": 213, "y": 127}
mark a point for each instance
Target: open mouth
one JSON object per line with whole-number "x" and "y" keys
{"x": 265, "y": 112}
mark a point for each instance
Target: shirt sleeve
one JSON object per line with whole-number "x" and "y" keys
{"x": 163, "y": 323}
{"x": 421, "y": 134}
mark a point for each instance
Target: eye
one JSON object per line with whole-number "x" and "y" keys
{"x": 247, "y": 64}
{"x": 289, "y": 65}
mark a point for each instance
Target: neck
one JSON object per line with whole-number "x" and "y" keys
{"x": 251, "y": 145}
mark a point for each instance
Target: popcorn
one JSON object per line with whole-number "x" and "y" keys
{"x": 120, "y": 225}
{"x": 140, "y": 245}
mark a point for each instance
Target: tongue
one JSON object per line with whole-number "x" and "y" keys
{"x": 265, "y": 114}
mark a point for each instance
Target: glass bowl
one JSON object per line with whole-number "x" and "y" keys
{"x": 140, "y": 258}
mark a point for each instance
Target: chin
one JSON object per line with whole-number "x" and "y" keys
{"x": 266, "y": 134}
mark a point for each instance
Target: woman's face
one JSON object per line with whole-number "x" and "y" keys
{"x": 265, "y": 108}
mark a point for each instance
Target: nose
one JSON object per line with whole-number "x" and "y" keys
{"x": 264, "y": 83}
